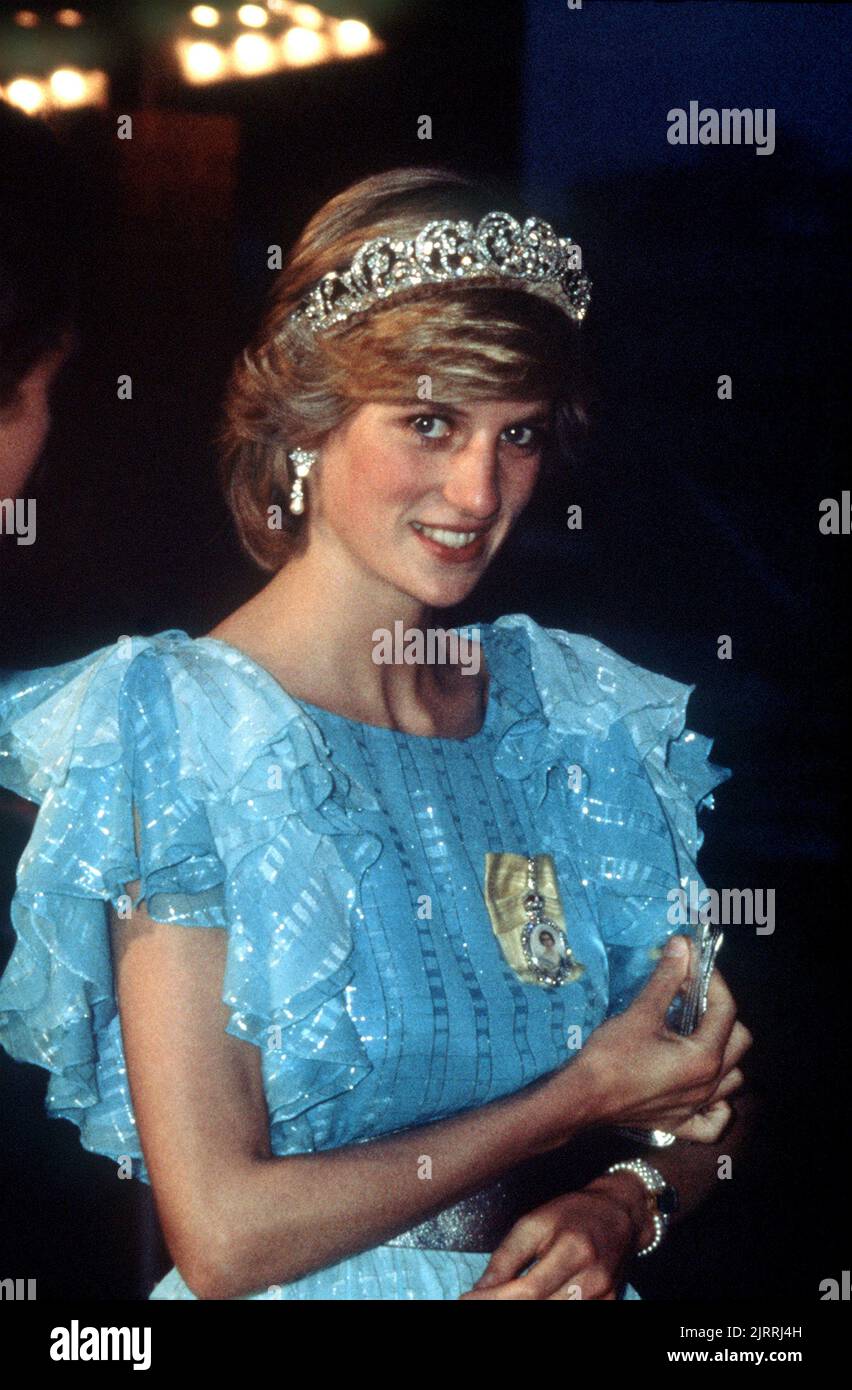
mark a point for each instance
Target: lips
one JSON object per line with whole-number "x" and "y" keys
{"x": 451, "y": 544}
{"x": 452, "y": 536}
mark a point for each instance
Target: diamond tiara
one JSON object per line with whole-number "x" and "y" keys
{"x": 530, "y": 257}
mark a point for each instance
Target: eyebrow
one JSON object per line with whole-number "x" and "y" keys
{"x": 432, "y": 407}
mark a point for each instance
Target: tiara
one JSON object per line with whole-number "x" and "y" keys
{"x": 530, "y": 257}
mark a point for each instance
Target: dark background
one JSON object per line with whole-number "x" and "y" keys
{"x": 700, "y": 516}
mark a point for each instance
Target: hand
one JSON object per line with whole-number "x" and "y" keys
{"x": 581, "y": 1243}
{"x": 634, "y": 1070}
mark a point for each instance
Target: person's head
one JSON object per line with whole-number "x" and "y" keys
{"x": 38, "y": 289}
{"x": 546, "y": 939}
{"x": 436, "y": 408}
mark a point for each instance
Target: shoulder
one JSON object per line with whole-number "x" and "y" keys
{"x": 167, "y": 691}
{"x": 583, "y": 685}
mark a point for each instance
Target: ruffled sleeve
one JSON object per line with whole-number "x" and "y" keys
{"x": 166, "y": 761}
{"x": 628, "y": 815}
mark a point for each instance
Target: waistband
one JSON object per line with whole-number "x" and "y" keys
{"x": 478, "y": 1223}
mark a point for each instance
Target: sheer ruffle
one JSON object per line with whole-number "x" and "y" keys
{"x": 634, "y": 838}
{"x": 222, "y": 772}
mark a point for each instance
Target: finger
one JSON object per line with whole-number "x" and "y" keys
{"x": 592, "y": 1282}
{"x": 561, "y": 1266}
{"x": 571, "y": 1259}
{"x": 734, "y": 1081}
{"x": 572, "y": 1291}
{"x": 707, "y": 1126}
{"x": 565, "y": 1292}
{"x": 513, "y": 1288}
{"x": 513, "y": 1254}
{"x": 737, "y": 1046}
{"x": 721, "y": 989}
{"x": 717, "y": 1022}
{"x": 655, "y": 998}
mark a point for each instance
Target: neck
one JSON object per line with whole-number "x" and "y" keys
{"x": 315, "y": 622}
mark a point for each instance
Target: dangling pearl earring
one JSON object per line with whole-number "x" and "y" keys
{"x": 303, "y": 461}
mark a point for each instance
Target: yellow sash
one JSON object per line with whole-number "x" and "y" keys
{"x": 506, "y": 886}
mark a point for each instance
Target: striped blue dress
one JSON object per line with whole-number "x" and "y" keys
{"x": 346, "y": 863}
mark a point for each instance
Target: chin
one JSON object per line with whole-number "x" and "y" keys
{"x": 448, "y": 594}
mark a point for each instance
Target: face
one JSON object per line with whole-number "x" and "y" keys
{"x": 25, "y": 425}
{"x": 423, "y": 496}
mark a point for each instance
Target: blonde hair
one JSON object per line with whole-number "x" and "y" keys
{"x": 290, "y": 388}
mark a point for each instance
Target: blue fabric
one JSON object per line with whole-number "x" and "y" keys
{"x": 347, "y": 864}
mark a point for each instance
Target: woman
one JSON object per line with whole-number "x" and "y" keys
{"x": 40, "y": 240}
{"x": 323, "y": 1033}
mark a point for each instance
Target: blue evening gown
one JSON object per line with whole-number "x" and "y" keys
{"x": 346, "y": 862}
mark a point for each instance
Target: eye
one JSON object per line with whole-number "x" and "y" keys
{"x": 526, "y": 438}
{"x": 535, "y": 436}
{"x": 430, "y": 421}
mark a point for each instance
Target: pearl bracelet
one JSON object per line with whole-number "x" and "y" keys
{"x": 654, "y": 1183}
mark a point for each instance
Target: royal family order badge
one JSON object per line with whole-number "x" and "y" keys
{"x": 522, "y": 896}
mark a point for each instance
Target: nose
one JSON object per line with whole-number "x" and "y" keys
{"x": 472, "y": 485}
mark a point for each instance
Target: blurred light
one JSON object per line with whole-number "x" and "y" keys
{"x": 308, "y": 16}
{"x": 253, "y": 53}
{"x": 97, "y": 88}
{"x": 303, "y": 37}
{"x": 202, "y": 61}
{"x": 70, "y": 19}
{"x": 204, "y": 16}
{"x": 352, "y": 36}
{"x": 28, "y": 19}
{"x": 303, "y": 46}
{"x": 64, "y": 89}
{"x": 26, "y": 94}
{"x": 254, "y": 16}
{"x": 68, "y": 87}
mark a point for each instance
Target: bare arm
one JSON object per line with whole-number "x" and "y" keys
{"x": 237, "y": 1219}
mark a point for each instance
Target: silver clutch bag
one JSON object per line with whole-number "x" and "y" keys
{"x": 683, "y": 1017}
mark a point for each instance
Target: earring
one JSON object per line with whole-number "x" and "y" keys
{"x": 303, "y": 461}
